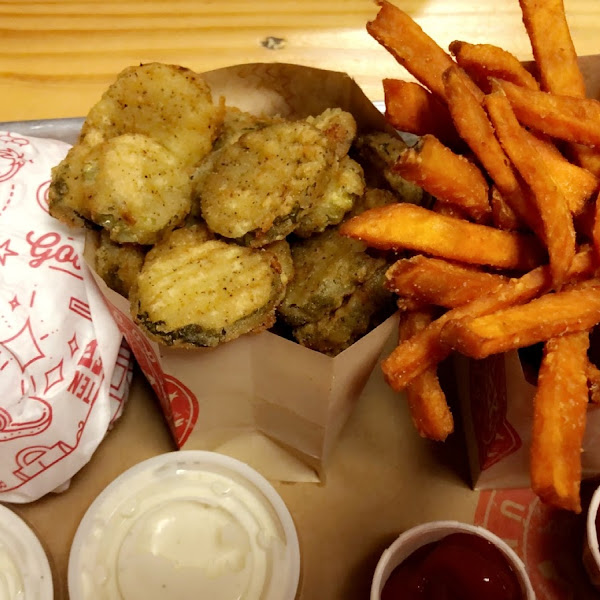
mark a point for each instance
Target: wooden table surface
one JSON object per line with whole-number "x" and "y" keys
{"x": 56, "y": 57}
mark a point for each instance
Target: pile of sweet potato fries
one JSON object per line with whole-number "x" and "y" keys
{"x": 508, "y": 255}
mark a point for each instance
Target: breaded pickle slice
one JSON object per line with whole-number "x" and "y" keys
{"x": 372, "y": 198}
{"x": 328, "y": 268}
{"x": 365, "y": 308}
{"x": 378, "y": 153}
{"x": 339, "y": 126}
{"x": 283, "y": 253}
{"x": 345, "y": 187}
{"x": 169, "y": 103}
{"x": 236, "y": 123}
{"x": 258, "y": 188}
{"x": 72, "y": 186}
{"x": 118, "y": 264}
{"x": 205, "y": 293}
{"x": 140, "y": 190}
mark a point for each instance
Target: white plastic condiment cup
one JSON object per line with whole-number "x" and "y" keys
{"x": 24, "y": 569}
{"x": 427, "y": 533}
{"x": 186, "y": 525}
{"x": 591, "y": 549}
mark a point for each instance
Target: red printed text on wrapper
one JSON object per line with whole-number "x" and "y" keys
{"x": 496, "y": 438}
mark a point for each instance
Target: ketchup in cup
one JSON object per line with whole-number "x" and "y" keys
{"x": 461, "y": 566}
{"x": 450, "y": 560}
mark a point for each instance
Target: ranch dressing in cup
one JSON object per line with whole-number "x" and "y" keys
{"x": 24, "y": 569}
{"x": 185, "y": 525}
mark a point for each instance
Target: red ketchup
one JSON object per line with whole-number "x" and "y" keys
{"x": 460, "y": 566}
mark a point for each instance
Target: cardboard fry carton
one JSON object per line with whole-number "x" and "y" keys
{"x": 221, "y": 398}
{"x": 496, "y": 401}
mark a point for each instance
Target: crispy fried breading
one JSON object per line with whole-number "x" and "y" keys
{"x": 118, "y": 264}
{"x": 259, "y": 187}
{"x": 72, "y": 185}
{"x": 339, "y": 126}
{"x": 378, "y": 153}
{"x": 363, "y": 309}
{"x": 328, "y": 270}
{"x": 169, "y": 103}
{"x": 139, "y": 189}
{"x": 205, "y": 293}
{"x": 346, "y": 185}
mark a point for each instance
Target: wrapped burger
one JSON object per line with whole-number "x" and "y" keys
{"x": 63, "y": 367}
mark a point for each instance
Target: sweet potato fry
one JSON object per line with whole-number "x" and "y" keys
{"x": 426, "y": 399}
{"x": 576, "y": 183}
{"x": 563, "y": 117}
{"x": 593, "y": 376}
{"x": 503, "y": 216}
{"x": 473, "y": 125}
{"x": 411, "y": 108}
{"x": 413, "y": 48}
{"x": 447, "y": 176}
{"x": 440, "y": 282}
{"x": 596, "y": 226}
{"x": 556, "y": 60}
{"x": 552, "y": 46}
{"x": 559, "y": 416}
{"x": 407, "y": 226}
{"x": 426, "y": 348}
{"x": 482, "y": 61}
{"x": 448, "y": 210}
{"x": 569, "y": 311}
{"x": 558, "y": 229}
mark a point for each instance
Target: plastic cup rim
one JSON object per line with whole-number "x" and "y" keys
{"x": 214, "y": 458}
{"x": 445, "y": 528}
{"x": 34, "y": 549}
{"x": 590, "y": 526}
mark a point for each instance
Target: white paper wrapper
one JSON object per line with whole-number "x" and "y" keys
{"x": 64, "y": 369}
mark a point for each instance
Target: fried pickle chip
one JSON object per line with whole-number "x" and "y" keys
{"x": 205, "y": 293}
{"x": 281, "y": 249}
{"x": 258, "y": 189}
{"x": 236, "y": 123}
{"x": 169, "y": 103}
{"x": 329, "y": 268}
{"x": 118, "y": 264}
{"x": 139, "y": 189}
{"x": 346, "y": 185}
{"x": 339, "y": 126}
{"x": 363, "y": 309}
{"x": 71, "y": 186}
{"x": 379, "y": 152}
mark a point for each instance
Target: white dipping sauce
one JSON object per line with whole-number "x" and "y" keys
{"x": 24, "y": 569}
{"x": 182, "y": 526}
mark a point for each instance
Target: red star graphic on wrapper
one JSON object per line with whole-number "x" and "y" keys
{"x": 14, "y": 303}
{"x": 5, "y": 252}
{"x": 73, "y": 345}
{"x": 54, "y": 376}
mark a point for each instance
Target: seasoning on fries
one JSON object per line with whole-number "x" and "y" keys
{"x": 560, "y": 406}
{"x": 531, "y": 274}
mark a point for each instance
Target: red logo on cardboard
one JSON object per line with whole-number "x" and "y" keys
{"x": 496, "y": 437}
{"x": 549, "y": 541}
{"x": 179, "y": 404}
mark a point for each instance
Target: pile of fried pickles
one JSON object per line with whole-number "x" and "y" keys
{"x": 508, "y": 256}
{"x": 216, "y": 223}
